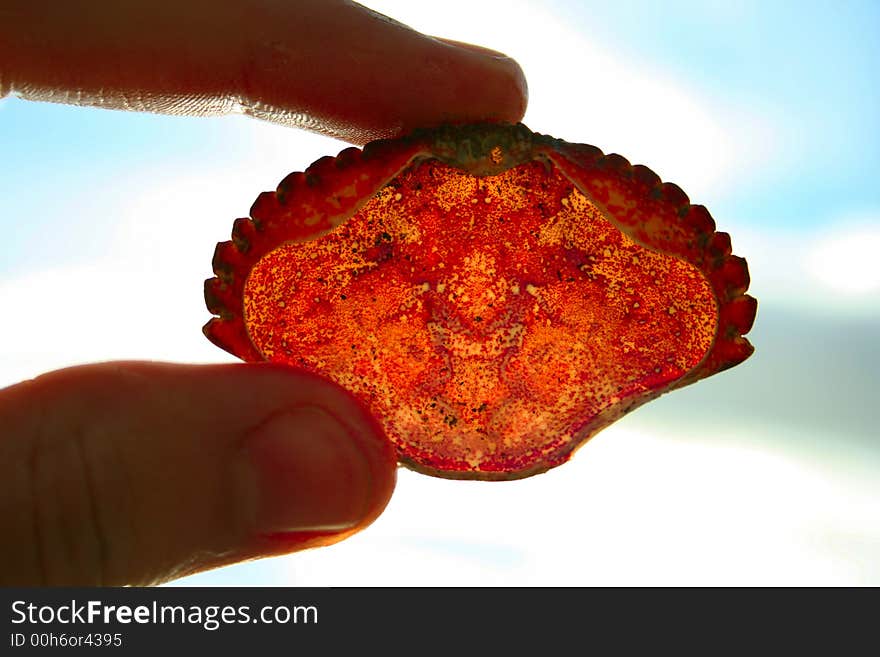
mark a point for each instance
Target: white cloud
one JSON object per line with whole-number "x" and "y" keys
{"x": 846, "y": 260}
{"x": 835, "y": 268}
{"x": 630, "y": 509}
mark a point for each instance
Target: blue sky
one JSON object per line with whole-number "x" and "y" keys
{"x": 766, "y": 112}
{"x": 811, "y": 66}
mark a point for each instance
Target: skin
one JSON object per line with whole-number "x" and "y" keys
{"x": 137, "y": 473}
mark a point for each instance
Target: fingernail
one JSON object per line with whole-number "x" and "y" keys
{"x": 474, "y": 48}
{"x": 302, "y": 470}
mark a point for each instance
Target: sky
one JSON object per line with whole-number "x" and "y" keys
{"x": 765, "y": 112}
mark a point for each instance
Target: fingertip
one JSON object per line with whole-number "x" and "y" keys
{"x": 513, "y": 97}
{"x": 316, "y": 472}
{"x": 311, "y": 481}
{"x": 310, "y": 467}
{"x": 358, "y": 76}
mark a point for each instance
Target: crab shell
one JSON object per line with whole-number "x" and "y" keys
{"x": 467, "y": 396}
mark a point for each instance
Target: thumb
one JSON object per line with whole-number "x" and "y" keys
{"x": 136, "y": 473}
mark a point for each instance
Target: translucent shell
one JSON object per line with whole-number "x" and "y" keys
{"x": 494, "y": 296}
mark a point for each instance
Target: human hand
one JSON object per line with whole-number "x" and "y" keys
{"x": 136, "y": 473}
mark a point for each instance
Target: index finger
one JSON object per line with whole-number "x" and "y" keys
{"x": 329, "y": 66}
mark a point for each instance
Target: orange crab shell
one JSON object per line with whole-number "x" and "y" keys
{"x": 454, "y": 397}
